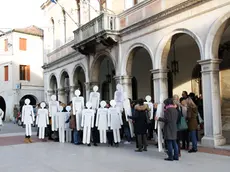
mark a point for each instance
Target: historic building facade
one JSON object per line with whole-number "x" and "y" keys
{"x": 152, "y": 47}
{"x": 21, "y": 58}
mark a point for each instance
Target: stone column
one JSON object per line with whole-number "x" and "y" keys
{"x": 126, "y": 82}
{"x": 49, "y": 94}
{"x": 72, "y": 92}
{"x": 160, "y": 83}
{"x": 211, "y": 103}
{"x": 61, "y": 95}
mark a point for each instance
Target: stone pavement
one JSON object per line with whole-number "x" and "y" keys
{"x": 57, "y": 157}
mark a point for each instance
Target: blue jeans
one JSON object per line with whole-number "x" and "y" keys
{"x": 76, "y": 137}
{"x": 193, "y": 137}
{"x": 127, "y": 133}
{"x": 172, "y": 145}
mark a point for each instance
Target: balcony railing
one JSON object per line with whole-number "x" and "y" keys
{"x": 61, "y": 52}
{"x": 104, "y": 22}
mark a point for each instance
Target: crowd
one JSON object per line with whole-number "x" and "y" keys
{"x": 181, "y": 119}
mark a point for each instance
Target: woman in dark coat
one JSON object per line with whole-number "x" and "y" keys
{"x": 170, "y": 129}
{"x": 192, "y": 123}
{"x": 141, "y": 124}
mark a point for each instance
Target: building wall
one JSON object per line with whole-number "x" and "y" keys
{"x": 33, "y": 56}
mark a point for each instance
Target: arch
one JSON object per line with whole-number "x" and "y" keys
{"x": 3, "y": 106}
{"x": 80, "y": 65}
{"x": 163, "y": 47}
{"x": 214, "y": 36}
{"x": 51, "y": 78}
{"x": 126, "y": 62}
{"x": 64, "y": 74}
{"x": 94, "y": 72}
{"x": 33, "y": 99}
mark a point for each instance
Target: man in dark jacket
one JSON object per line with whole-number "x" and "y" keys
{"x": 170, "y": 129}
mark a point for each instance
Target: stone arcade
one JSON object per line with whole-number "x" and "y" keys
{"x": 156, "y": 47}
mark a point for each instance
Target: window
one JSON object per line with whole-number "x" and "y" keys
{"x": 6, "y": 44}
{"x": 135, "y": 2}
{"x": 103, "y": 5}
{"x": 6, "y": 73}
{"x": 22, "y": 44}
{"x": 24, "y": 71}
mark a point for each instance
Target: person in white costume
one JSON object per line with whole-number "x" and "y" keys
{"x": 68, "y": 131}
{"x": 129, "y": 130}
{"x": 42, "y": 120}
{"x": 78, "y": 106}
{"x": 87, "y": 123}
{"x": 102, "y": 121}
{"x": 94, "y": 98}
{"x": 119, "y": 97}
{"x": 53, "y": 109}
{"x": 150, "y": 105}
{"x": 28, "y": 119}
{"x": 1, "y": 117}
{"x": 115, "y": 121}
{"x": 61, "y": 124}
{"x": 159, "y": 125}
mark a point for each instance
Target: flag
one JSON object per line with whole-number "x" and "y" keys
{"x": 54, "y": 1}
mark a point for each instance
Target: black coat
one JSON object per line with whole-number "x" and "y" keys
{"x": 140, "y": 119}
{"x": 170, "y": 127}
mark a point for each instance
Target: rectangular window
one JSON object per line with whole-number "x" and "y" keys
{"x": 22, "y": 44}
{"x": 135, "y": 2}
{"x": 24, "y": 71}
{"x": 6, "y": 73}
{"x": 6, "y": 44}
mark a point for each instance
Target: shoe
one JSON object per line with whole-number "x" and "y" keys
{"x": 89, "y": 145}
{"x": 26, "y": 140}
{"x": 145, "y": 149}
{"x": 138, "y": 150}
{"x": 176, "y": 159}
{"x": 95, "y": 144}
{"x": 30, "y": 141}
{"x": 192, "y": 151}
{"x": 127, "y": 143}
{"x": 168, "y": 159}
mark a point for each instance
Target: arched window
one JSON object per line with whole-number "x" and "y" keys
{"x": 64, "y": 23}
{"x": 53, "y": 32}
{"x": 78, "y": 11}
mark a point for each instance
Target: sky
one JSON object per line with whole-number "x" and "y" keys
{"x": 21, "y": 13}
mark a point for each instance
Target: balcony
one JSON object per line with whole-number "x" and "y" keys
{"x": 103, "y": 29}
{"x": 61, "y": 52}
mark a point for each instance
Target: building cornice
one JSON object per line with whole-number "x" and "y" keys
{"x": 163, "y": 15}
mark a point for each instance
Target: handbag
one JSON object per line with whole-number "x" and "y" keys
{"x": 182, "y": 124}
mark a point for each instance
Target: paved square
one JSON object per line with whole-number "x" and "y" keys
{"x": 56, "y": 157}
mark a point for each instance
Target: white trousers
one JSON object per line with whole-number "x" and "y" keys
{"x": 28, "y": 130}
{"x": 41, "y": 133}
{"x": 116, "y": 135}
{"x": 68, "y": 133}
{"x": 62, "y": 135}
{"x": 103, "y": 138}
{"x": 86, "y": 135}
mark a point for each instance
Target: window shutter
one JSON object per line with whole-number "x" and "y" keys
{"x": 22, "y": 44}
{"x": 28, "y": 72}
{"x": 6, "y": 44}
{"x": 6, "y": 71}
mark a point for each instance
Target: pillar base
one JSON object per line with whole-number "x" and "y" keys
{"x": 213, "y": 141}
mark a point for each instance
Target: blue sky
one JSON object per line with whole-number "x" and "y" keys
{"x": 21, "y": 13}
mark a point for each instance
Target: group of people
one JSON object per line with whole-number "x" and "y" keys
{"x": 121, "y": 118}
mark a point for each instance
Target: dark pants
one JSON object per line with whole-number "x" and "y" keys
{"x": 179, "y": 136}
{"x": 193, "y": 139}
{"x": 185, "y": 139}
{"x": 150, "y": 129}
{"x": 76, "y": 137}
{"x": 95, "y": 135}
{"x": 110, "y": 137}
{"x": 172, "y": 145}
{"x": 127, "y": 133}
{"x": 142, "y": 141}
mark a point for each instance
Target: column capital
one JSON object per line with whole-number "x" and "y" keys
{"x": 209, "y": 65}
{"x": 160, "y": 74}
